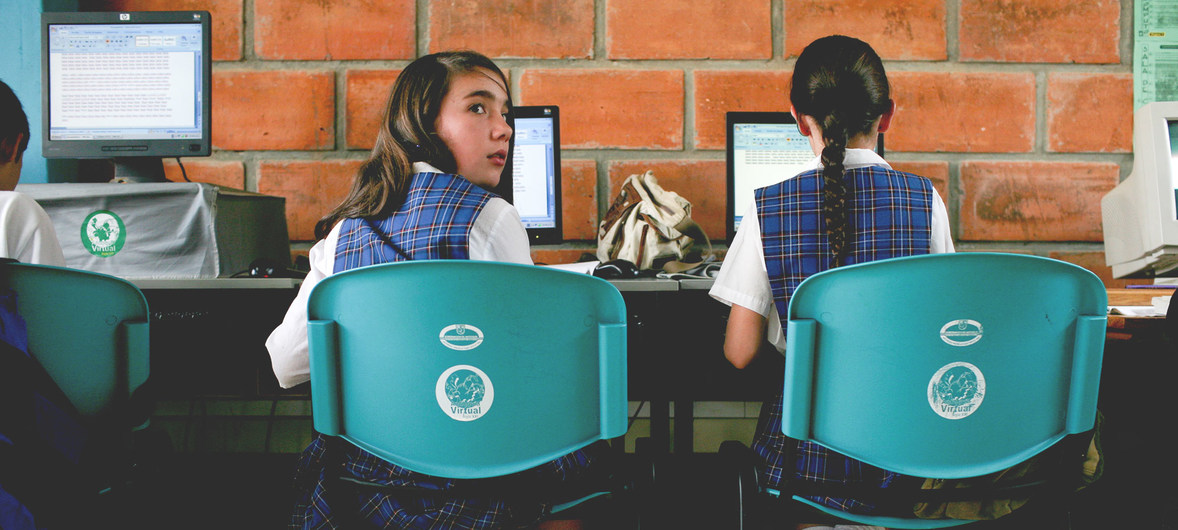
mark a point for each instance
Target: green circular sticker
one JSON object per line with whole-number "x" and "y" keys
{"x": 103, "y": 233}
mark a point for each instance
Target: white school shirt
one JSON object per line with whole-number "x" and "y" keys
{"x": 497, "y": 234}
{"x": 743, "y": 279}
{"x": 26, "y": 232}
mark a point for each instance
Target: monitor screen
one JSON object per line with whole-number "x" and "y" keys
{"x": 534, "y": 167}
{"x": 1172, "y": 125}
{"x": 126, "y": 85}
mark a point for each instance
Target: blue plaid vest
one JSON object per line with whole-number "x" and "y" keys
{"x": 433, "y": 223}
{"x": 891, "y": 216}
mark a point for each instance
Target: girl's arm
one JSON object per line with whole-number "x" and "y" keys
{"x": 498, "y": 234}
{"x": 287, "y": 344}
{"x": 744, "y": 335}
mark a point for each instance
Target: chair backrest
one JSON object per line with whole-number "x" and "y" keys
{"x": 467, "y": 369}
{"x": 88, "y": 330}
{"x": 946, "y": 366}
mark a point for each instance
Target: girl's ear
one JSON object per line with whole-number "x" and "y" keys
{"x": 885, "y": 119}
{"x": 803, "y": 127}
{"x": 8, "y": 149}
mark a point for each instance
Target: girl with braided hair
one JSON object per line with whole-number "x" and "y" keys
{"x": 851, "y": 207}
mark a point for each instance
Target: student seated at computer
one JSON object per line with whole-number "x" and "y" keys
{"x": 841, "y": 100}
{"x": 26, "y": 233}
{"x": 420, "y": 196}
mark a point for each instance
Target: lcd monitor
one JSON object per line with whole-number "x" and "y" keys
{"x": 534, "y": 168}
{"x": 129, "y": 86}
{"x": 1140, "y": 215}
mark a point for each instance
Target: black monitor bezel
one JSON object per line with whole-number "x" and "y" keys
{"x": 553, "y": 234}
{"x": 154, "y": 148}
{"x": 731, "y": 118}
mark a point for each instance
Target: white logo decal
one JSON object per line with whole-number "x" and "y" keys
{"x": 464, "y": 392}
{"x": 956, "y": 390}
{"x": 461, "y": 337}
{"x": 961, "y": 332}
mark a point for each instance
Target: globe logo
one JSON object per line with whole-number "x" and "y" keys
{"x": 103, "y": 233}
{"x": 465, "y": 389}
{"x": 464, "y": 393}
{"x": 957, "y": 386}
{"x": 956, "y": 390}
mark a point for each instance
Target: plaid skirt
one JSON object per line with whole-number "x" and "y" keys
{"x": 815, "y": 463}
{"x": 434, "y": 502}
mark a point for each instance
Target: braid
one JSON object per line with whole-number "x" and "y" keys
{"x": 835, "y": 194}
{"x": 841, "y": 83}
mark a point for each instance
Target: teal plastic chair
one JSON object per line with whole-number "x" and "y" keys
{"x": 467, "y": 369}
{"x": 88, "y": 330}
{"x": 948, "y": 366}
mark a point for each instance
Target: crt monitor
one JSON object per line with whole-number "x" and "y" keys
{"x": 763, "y": 148}
{"x": 1140, "y": 216}
{"x": 534, "y": 167}
{"x": 129, "y": 86}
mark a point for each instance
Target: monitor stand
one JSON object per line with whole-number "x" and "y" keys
{"x": 139, "y": 169}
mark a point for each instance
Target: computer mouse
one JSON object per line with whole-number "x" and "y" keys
{"x": 266, "y": 268}
{"x": 617, "y": 269}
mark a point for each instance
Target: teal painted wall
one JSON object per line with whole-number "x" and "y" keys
{"x": 20, "y": 67}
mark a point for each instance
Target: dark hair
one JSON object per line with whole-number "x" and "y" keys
{"x": 840, "y": 82}
{"x": 13, "y": 121}
{"x": 406, "y": 135}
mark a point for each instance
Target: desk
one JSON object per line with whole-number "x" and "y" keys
{"x": 208, "y": 335}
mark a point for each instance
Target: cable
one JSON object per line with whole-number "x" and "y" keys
{"x": 182, "y": 172}
{"x": 635, "y": 416}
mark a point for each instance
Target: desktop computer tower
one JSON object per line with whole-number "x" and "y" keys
{"x": 164, "y": 230}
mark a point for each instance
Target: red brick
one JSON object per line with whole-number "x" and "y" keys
{"x": 226, "y": 18}
{"x": 907, "y": 30}
{"x": 674, "y": 29}
{"x": 230, "y": 174}
{"x": 555, "y": 256}
{"x": 258, "y": 110}
{"x": 938, "y": 172}
{"x": 578, "y": 192}
{"x": 701, "y": 182}
{"x": 629, "y": 109}
{"x": 721, "y": 91}
{"x": 1040, "y": 31}
{"x": 1034, "y": 201}
{"x": 523, "y": 28}
{"x": 963, "y": 112}
{"x": 1090, "y": 113}
{"x": 1094, "y": 261}
{"x": 311, "y": 187}
{"x": 317, "y": 30}
{"x": 367, "y": 95}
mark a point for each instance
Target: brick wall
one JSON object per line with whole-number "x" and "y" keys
{"x": 1019, "y": 110}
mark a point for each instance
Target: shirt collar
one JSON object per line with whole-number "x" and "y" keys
{"x": 425, "y": 167}
{"x": 856, "y": 158}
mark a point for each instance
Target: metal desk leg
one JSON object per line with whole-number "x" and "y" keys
{"x": 684, "y": 426}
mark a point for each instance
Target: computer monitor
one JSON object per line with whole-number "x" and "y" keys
{"x": 534, "y": 167}
{"x": 129, "y": 86}
{"x": 763, "y": 148}
{"x": 1140, "y": 216}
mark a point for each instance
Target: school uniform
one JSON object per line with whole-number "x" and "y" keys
{"x": 783, "y": 241}
{"x": 444, "y": 216}
{"x": 26, "y": 232}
